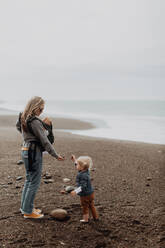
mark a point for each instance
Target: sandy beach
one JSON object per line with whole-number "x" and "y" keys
{"x": 128, "y": 178}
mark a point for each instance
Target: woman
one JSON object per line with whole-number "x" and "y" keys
{"x": 35, "y": 142}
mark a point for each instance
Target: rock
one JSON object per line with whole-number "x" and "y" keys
{"x": 20, "y": 162}
{"x": 48, "y": 181}
{"x": 10, "y": 182}
{"x": 47, "y": 176}
{"x": 149, "y": 178}
{"x": 68, "y": 189}
{"x": 59, "y": 214}
{"x": 62, "y": 243}
{"x": 66, "y": 180}
{"x": 19, "y": 178}
{"x": 17, "y": 186}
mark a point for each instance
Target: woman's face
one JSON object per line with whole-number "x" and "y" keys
{"x": 39, "y": 110}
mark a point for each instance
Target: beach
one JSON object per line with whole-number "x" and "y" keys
{"x": 128, "y": 178}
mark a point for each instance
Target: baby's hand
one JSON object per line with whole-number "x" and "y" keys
{"x": 73, "y": 193}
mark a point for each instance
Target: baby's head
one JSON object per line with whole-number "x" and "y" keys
{"x": 85, "y": 162}
{"x": 47, "y": 121}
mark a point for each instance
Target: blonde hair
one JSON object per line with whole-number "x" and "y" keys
{"x": 85, "y": 162}
{"x": 33, "y": 104}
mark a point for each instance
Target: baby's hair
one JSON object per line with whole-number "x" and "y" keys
{"x": 85, "y": 162}
{"x": 47, "y": 121}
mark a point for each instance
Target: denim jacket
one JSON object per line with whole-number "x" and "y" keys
{"x": 83, "y": 180}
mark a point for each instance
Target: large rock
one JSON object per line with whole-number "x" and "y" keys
{"x": 59, "y": 214}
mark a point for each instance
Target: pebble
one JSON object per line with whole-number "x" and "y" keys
{"x": 17, "y": 186}
{"x": 19, "y": 178}
{"x": 20, "y": 162}
{"x": 48, "y": 181}
{"x": 66, "y": 180}
{"x": 10, "y": 182}
{"x": 47, "y": 176}
{"x": 68, "y": 189}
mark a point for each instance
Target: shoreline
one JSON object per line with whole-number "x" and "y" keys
{"x": 69, "y": 125}
{"x": 58, "y": 123}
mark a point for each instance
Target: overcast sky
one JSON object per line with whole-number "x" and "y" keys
{"x": 82, "y": 49}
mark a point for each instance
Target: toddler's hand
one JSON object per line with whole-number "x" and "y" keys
{"x": 73, "y": 193}
{"x": 73, "y": 158}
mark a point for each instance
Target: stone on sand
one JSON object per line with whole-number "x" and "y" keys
{"x": 59, "y": 214}
{"x": 20, "y": 162}
{"x": 68, "y": 189}
{"x": 66, "y": 180}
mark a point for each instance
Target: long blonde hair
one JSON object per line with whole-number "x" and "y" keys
{"x": 33, "y": 104}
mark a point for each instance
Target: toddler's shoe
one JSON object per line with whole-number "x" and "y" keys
{"x": 84, "y": 221}
{"x": 33, "y": 215}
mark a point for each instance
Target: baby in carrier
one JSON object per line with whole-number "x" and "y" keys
{"x": 47, "y": 123}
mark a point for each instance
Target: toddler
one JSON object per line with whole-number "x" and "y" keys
{"x": 84, "y": 188}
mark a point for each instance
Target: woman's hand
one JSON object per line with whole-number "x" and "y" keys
{"x": 73, "y": 193}
{"x": 60, "y": 158}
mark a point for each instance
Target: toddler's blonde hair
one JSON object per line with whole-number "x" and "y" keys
{"x": 85, "y": 162}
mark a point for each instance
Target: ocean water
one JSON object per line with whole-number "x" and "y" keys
{"x": 115, "y": 119}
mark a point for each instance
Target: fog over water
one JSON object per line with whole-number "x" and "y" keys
{"x": 99, "y": 50}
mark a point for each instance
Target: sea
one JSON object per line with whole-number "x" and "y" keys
{"x": 132, "y": 120}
